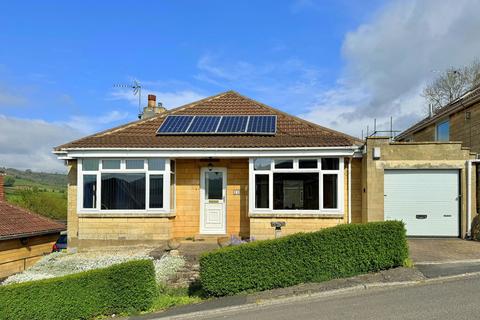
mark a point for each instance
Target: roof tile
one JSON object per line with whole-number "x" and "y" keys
{"x": 16, "y": 222}
{"x": 291, "y": 131}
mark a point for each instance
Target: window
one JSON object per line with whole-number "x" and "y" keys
{"x": 123, "y": 191}
{"x": 156, "y": 191}
{"x": 308, "y": 163}
{"x": 283, "y": 164}
{"x": 156, "y": 164}
{"x": 286, "y": 185}
{"x": 172, "y": 185}
{"x": 443, "y": 131}
{"x": 135, "y": 164}
{"x": 330, "y": 191}
{"x": 124, "y": 185}
{"x": 90, "y": 165}
{"x": 90, "y": 191}
{"x": 262, "y": 164}
{"x": 111, "y": 164}
{"x": 261, "y": 191}
{"x": 295, "y": 191}
{"x": 329, "y": 163}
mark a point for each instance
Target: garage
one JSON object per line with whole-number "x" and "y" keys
{"x": 426, "y": 200}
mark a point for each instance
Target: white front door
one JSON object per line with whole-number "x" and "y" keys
{"x": 213, "y": 185}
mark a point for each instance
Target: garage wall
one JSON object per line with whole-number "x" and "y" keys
{"x": 16, "y": 256}
{"x": 408, "y": 155}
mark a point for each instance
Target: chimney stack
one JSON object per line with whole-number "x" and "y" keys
{"x": 152, "y": 101}
{"x": 2, "y": 192}
{"x": 152, "y": 108}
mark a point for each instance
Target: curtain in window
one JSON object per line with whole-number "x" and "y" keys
{"x": 123, "y": 191}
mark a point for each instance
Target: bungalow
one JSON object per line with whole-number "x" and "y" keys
{"x": 229, "y": 165}
{"x": 24, "y": 236}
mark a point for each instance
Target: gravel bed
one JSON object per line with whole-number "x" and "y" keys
{"x": 62, "y": 263}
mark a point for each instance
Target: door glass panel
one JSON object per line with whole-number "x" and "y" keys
{"x": 213, "y": 185}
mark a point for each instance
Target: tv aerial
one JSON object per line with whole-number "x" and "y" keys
{"x": 137, "y": 90}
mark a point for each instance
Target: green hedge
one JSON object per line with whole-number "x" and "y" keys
{"x": 126, "y": 287}
{"x": 342, "y": 251}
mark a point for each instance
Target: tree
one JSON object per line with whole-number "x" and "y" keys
{"x": 451, "y": 85}
{"x": 8, "y": 181}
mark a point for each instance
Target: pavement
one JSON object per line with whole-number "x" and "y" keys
{"x": 443, "y": 250}
{"x": 436, "y": 261}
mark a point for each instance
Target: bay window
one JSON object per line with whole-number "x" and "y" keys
{"x": 126, "y": 185}
{"x": 312, "y": 185}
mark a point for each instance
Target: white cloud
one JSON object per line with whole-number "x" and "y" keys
{"x": 28, "y": 144}
{"x": 170, "y": 99}
{"x": 390, "y": 58}
{"x": 289, "y": 83}
{"x": 92, "y": 124}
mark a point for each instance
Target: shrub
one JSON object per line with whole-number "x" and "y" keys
{"x": 341, "y": 251}
{"x": 127, "y": 287}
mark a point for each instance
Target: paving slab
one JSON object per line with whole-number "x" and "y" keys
{"x": 443, "y": 250}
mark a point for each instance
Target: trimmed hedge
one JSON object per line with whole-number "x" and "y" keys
{"x": 342, "y": 251}
{"x": 126, "y": 287}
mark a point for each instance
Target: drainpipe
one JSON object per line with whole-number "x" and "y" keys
{"x": 469, "y": 195}
{"x": 349, "y": 195}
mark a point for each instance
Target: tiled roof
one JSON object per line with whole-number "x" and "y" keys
{"x": 17, "y": 222}
{"x": 469, "y": 97}
{"x": 291, "y": 131}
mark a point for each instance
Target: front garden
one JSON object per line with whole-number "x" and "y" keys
{"x": 76, "y": 287}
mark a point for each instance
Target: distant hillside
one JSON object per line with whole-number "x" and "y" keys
{"x": 30, "y": 178}
{"x": 40, "y": 192}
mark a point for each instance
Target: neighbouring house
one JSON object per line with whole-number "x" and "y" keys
{"x": 457, "y": 121}
{"x": 229, "y": 165}
{"x": 24, "y": 236}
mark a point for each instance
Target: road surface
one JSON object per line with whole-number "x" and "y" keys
{"x": 449, "y": 299}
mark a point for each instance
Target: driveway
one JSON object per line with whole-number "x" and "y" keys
{"x": 428, "y": 251}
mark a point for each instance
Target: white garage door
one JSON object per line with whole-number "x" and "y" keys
{"x": 426, "y": 200}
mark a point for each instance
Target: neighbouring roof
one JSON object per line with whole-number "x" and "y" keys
{"x": 17, "y": 223}
{"x": 291, "y": 131}
{"x": 470, "y": 97}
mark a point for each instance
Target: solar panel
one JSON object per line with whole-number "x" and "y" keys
{"x": 204, "y": 124}
{"x": 262, "y": 124}
{"x": 228, "y": 124}
{"x": 233, "y": 124}
{"x": 175, "y": 124}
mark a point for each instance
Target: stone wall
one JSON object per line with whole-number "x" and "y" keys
{"x": 415, "y": 155}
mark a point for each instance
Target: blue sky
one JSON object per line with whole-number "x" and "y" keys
{"x": 338, "y": 63}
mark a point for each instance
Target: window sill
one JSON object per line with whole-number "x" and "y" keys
{"x": 126, "y": 215}
{"x": 335, "y": 215}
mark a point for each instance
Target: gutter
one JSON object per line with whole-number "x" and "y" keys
{"x": 469, "y": 195}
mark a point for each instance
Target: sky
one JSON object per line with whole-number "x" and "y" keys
{"x": 340, "y": 64}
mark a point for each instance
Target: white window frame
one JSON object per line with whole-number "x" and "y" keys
{"x": 322, "y": 211}
{"x": 166, "y": 186}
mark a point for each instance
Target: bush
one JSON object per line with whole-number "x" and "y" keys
{"x": 341, "y": 251}
{"x": 49, "y": 204}
{"x": 123, "y": 288}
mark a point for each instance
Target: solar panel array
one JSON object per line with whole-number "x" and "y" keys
{"x": 185, "y": 124}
